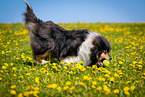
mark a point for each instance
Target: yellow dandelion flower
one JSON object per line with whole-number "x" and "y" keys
{"x": 0, "y": 78}
{"x": 6, "y": 64}
{"x": 27, "y": 73}
{"x": 94, "y": 66}
{"x": 1, "y": 71}
{"x": 94, "y": 82}
{"x": 54, "y": 67}
{"x": 30, "y": 92}
{"x": 93, "y": 86}
{"x": 116, "y": 75}
{"x": 85, "y": 77}
{"x": 13, "y": 92}
{"x": 100, "y": 78}
{"x": 126, "y": 93}
{"x": 88, "y": 66}
{"x": 14, "y": 68}
{"x": 79, "y": 66}
{"x": 20, "y": 95}
{"x": 65, "y": 87}
{"x": 22, "y": 56}
{"x": 36, "y": 88}
{"x": 30, "y": 87}
{"x": 65, "y": 67}
{"x": 132, "y": 88}
{"x": 112, "y": 79}
{"x": 59, "y": 88}
{"x": 63, "y": 62}
{"x": 35, "y": 92}
{"x": 37, "y": 80}
{"x": 11, "y": 64}
{"x": 21, "y": 77}
{"x": 105, "y": 88}
{"x": 68, "y": 83}
{"x": 120, "y": 62}
{"x": 3, "y": 52}
{"x": 76, "y": 82}
{"x": 140, "y": 66}
{"x": 126, "y": 89}
{"x": 99, "y": 88}
{"x": 122, "y": 68}
{"x": 26, "y": 93}
{"x": 103, "y": 79}
{"x": 107, "y": 75}
{"x": 83, "y": 69}
{"x": 134, "y": 62}
{"x": 116, "y": 91}
{"x": 81, "y": 83}
{"x": 140, "y": 62}
{"x": 53, "y": 86}
{"x": 48, "y": 79}
{"x": 128, "y": 82}
{"x": 81, "y": 62}
{"x": 136, "y": 81}
{"x": 108, "y": 91}
{"x": 141, "y": 47}
{"x": 13, "y": 86}
{"x": 72, "y": 88}
{"x": 4, "y": 67}
{"x": 8, "y": 42}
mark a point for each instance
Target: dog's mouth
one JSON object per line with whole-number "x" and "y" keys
{"x": 100, "y": 63}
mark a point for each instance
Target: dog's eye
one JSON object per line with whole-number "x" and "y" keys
{"x": 104, "y": 51}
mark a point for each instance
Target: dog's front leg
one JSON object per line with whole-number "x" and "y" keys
{"x": 38, "y": 58}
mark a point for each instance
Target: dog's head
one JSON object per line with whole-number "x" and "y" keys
{"x": 101, "y": 56}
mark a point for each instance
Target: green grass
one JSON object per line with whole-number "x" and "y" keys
{"x": 125, "y": 76}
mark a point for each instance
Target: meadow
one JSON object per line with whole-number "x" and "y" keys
{"x": 20, "y": 76}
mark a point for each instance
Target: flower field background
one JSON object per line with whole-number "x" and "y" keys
{"x": 125, "y": 76}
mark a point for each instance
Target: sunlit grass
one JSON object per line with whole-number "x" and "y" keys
{"x": 20, "y": 76}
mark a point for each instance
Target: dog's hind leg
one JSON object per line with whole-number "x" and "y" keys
{"x": 38, "y": 58}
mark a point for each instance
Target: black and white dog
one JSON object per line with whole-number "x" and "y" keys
{"x": 48, "y": 38}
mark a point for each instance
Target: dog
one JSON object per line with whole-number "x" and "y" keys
{"x": 48, "y": 38}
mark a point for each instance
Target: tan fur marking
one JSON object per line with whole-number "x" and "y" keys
{"x": 104, "y": 55}
{"x": 39, "y": 57}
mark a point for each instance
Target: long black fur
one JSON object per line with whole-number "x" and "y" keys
{"x": 48, "y": 36}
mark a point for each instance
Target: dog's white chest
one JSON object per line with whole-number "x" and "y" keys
{"x": 84, "y": 51}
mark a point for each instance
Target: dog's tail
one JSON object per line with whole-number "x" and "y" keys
{"x": 31, "y": 20}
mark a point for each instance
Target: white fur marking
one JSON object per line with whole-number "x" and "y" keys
{"x": 71, "y": 59}
{"x": 44, "y": 62}
{"x": 84, "y": 50}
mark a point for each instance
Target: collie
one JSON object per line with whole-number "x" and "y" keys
{"x": 48, "y": 38}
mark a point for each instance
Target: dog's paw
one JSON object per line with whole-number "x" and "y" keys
{"x": 44, "y": 62}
